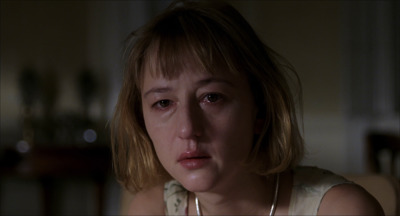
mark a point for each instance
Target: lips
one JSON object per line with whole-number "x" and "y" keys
{"x": 193, "y": 159}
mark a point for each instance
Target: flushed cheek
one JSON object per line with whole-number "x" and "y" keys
{"x": 236, "y": 145}
{"x": 158, "y": 126}
{"x": 166, "y": 154}
{"x": 161, "y": 138}
{"x": 233, "y": 134}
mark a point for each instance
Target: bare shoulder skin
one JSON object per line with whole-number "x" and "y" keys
{"x": 349, "y": 199}
{"x": 148, "y": 202}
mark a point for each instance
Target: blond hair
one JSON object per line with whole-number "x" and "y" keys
{"x": 216, "y": 37}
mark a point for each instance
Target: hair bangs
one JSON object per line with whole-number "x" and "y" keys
{"x": 186, "y": 41}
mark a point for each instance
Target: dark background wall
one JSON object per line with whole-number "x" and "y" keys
{"x": 346, "y": 54}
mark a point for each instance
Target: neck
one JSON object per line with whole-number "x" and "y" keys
{"x": 237, "y": 197}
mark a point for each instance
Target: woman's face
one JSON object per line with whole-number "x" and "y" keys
{"x": 201, "y": 126}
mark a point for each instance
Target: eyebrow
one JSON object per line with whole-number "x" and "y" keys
{"x": 200, "y": 83}
{"x": 157, "y": 90}
{"x": 214, "y": 79}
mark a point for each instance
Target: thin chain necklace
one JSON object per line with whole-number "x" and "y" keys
{"x": 273, "y": 206}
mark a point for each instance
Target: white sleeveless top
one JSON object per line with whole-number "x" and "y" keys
{"x": 309, "y": 187}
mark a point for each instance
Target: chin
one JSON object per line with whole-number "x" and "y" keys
{"x": 196, "y": 183}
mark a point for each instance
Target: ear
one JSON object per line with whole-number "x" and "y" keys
{"x": 259, "y": 126}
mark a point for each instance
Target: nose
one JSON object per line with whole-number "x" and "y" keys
{"x": 190, "y": 121}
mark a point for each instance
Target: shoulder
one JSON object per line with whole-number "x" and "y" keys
{"x": 148, "y": 202}
{"x": 349, "y": 199}
{"x": 315, "y": 180}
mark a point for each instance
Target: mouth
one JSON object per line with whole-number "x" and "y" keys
{"x": 193, "y": 160}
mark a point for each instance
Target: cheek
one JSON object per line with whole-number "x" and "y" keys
{"x": 156, "y": 134}
{"x": 152, "y": 131}
{"x": 160, "y": 137}
{"x": 235, "y": 131}
{"x": 153, "y": 125}
{"x": 161, "y": 147}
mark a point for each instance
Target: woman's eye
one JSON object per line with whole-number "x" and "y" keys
{"x": 212, "y": 98}
{"x": 162, "y": 104}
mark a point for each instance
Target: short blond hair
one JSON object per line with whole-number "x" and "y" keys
{"x": 215, "y": 36}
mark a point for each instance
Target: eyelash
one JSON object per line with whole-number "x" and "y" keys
{"x": 207, "y": 97}
{"x": 160, "y": 105}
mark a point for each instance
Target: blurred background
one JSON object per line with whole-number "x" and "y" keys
{"x": 61, "y": 74}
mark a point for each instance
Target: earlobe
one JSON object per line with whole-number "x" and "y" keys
{"x": 258, "y": 127}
